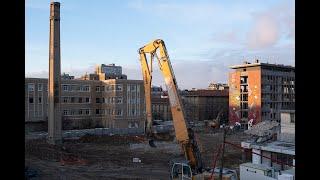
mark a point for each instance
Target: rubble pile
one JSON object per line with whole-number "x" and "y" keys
{"x": 264, "y": 128}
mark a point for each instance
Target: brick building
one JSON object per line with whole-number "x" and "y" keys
{"x": 259, "y": 91}
{"x": 110, "y": 103}
{"x": 205, "y": 104}
{"x": 160, "y": 105}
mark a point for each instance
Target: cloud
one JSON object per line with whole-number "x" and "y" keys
{"x": 265, "y": 32}
{"x": 271, "y": 26}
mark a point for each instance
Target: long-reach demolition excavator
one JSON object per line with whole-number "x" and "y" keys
{"x": 192, "y": 166}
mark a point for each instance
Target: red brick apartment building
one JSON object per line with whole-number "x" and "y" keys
{"x": 258, "y": 91}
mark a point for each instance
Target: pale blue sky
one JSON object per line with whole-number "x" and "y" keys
{"x": 203, "y": 38}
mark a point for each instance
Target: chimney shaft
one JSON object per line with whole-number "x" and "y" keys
{"x": 54, "y": 82}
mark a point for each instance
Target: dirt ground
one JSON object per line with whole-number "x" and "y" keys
{"x": 111, "y": 157}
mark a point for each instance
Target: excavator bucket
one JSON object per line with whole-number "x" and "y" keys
{"x": 151, "y": 143}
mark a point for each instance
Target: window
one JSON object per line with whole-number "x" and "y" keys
{"x": 30, "y": 87}
{"x": 80, "y": 100}
{"x": 244, "y": 97}
{"x": 87, "y": 100}
{"x": 40, "y": 87}
{"x": 65, "y": 112}
{"x": 45, "y": 87}
{"x": 72, "y": 112}
{"x": 292, "y": 118}
{"x": 103, "y": 100}
{"x": 87, "y": 111}
{"x": 133, "y": 101}
{"x": 97, "y": 100}
{"x": 107, "y": 111}
{"x": 30, "y": 100}
{"x": 132, "y": 88}
{"x": 244, "y": 114}
{"x": 102, "y": 88}
{"x": 40, "y": 100}
{"x": 107, "y": 88}
{"x": 85, "y": 88}
{"x": 244, "y": 105}
{"x": 118, "y": 112}
{"x": 73, "y": 88}
{"x": 97, "y": 111}
{"x": 72, "y": 99}
{"x": 97, "y": 88}
{"x": 65, "y": 99}
{"x": 80, "y": 111}
{"x": 65, "y": 87}
{"x": 119, "y": 87}
{"x": 133, "y": 112}
{"x": 243, "y": 79}
{"x": 119, "y": 100}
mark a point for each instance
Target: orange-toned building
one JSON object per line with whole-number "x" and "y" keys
{"x": 258, "y": 91}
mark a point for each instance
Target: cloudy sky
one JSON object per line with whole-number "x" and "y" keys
{"x": 203, "y": 38}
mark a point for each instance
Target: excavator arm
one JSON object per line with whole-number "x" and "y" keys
{"x": 184, "y": 135}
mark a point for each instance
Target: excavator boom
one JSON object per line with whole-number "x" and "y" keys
{"x": 184, "y": 135}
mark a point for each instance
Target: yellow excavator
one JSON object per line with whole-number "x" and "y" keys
{"x": 191, "y": 166}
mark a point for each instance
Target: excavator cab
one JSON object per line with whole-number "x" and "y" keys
{"x": 181, "y": 171}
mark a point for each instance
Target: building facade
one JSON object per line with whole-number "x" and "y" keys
{"x": 112, "y": 103}
{"x": 272, "y": 159}
{"x": 259, "y": 91}
{"x": 160, "y": 105}
{"x": 205, "y": 104}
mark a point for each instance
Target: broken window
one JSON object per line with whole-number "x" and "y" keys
{"x": 243, "y": 79}
{"x": 30, "y": 100}
{"x": 65, "y": 99}
{"x": 40, "y": 100}
{"x": 97, "y": 100}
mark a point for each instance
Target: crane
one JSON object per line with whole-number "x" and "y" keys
{"x": 192, "y": 166}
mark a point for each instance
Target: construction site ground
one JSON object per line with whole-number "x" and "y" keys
{"x": 111, "y": 157}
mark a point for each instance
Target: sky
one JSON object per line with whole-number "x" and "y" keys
{"x": 203, "y": 38}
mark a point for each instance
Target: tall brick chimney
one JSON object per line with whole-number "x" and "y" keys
{"x": 54, "y": 83}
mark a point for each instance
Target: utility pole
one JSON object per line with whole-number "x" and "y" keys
{"x": 223, "y": 146}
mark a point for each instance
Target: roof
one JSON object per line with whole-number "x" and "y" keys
{"x": 261, "y": 64}
{"x": 205, "y": 92}
{"x": 256, "y": 166}
{"x": 276, "y": 146}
